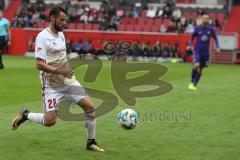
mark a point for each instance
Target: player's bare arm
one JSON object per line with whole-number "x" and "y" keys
{"x": 50, "y": 69}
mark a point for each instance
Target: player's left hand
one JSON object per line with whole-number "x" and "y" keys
{"x": 218, "y": 50}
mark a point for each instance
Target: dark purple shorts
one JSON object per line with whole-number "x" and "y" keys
{"x": 201, "y": 59}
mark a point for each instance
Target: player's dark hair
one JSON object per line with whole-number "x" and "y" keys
{"x": 56, "y": 10}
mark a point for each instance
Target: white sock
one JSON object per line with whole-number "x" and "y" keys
{"x": 36, "y": 117}
{"x": 90, "y": 124}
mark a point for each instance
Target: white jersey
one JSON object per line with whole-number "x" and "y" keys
{"x": 51, "y": 49}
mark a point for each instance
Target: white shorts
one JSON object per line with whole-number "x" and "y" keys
{"x": 73, "y": 93}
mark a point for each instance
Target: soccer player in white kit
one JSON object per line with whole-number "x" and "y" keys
{"x": 57, "y": 79}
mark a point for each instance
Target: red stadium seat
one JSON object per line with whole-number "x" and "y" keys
{"x": 80, "y": 26}
{"x": 187, "y": 14}
{"x": 212, "y": 15}
{"x": 130, "y": 28}
{"x": 167, "y": 22}
{"x": 144, "y": 14}
{"x": 138, "y": 28}
{"x": 220, "y": 17}
{"x": 142, "y": 21}
{"x": 147, "y": 28}
{"x": 233, "y": 22}
{"x": 149, "y": 21}
{"x": 184, "y": 1}
{"x": 158, "y": 21}
{"x": 121, "y": 27}
{"x": 155, "y": 28}
{"x": 88, "y": 26}
{"x": 96, "y": 26}
{"x": 194, "y": 15}
{"x": 71, "y": 25}
{"x": 124, "y": 21}
{"x": 132, "y": 21}
{"x": 181, "y": 1}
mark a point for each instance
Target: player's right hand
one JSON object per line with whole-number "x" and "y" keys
{"x": 66, "y": 72}
{"x": 189, "y": 48}
{"x": 218, "y": 50}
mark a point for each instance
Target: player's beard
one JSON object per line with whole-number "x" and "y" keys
{"x": 205, "y": 23}
{"x": 57, "y": 28}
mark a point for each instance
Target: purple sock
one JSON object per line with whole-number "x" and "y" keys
{"x": 194, "y": 73}
{"x": 197, "y": 78}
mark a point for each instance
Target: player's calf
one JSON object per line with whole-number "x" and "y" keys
{"x": 90, "y": 124}
{"x": 50, "y": 119}
{"x": 49, "y": 122}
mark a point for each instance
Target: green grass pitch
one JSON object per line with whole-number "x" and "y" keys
{"x": 209, "y": 131}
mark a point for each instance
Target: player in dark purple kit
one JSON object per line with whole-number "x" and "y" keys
{"x": 203, "y": 35}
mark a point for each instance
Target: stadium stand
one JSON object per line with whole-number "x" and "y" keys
{"x": 233, "y": 24}
{"x": 108, "y": 13}
{"x": 128, "y": 17}
{"x": 10, "y": 12}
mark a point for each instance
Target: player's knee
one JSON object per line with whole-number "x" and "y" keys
{"x": 89, "y": 112}
{"x": 87, "y": 105}
{"x": 89, "y": 108}
{"x": 196, "y": 63}
{"x": 197, "y": 67}
{"x": 50, "y": 121}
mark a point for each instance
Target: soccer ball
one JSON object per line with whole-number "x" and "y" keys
{"x": 127, "y": 119}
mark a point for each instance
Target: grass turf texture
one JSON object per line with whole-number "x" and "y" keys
{"x": 211, "y": 134}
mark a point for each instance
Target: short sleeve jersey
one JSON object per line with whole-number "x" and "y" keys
{"x": 51, "y": 49}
